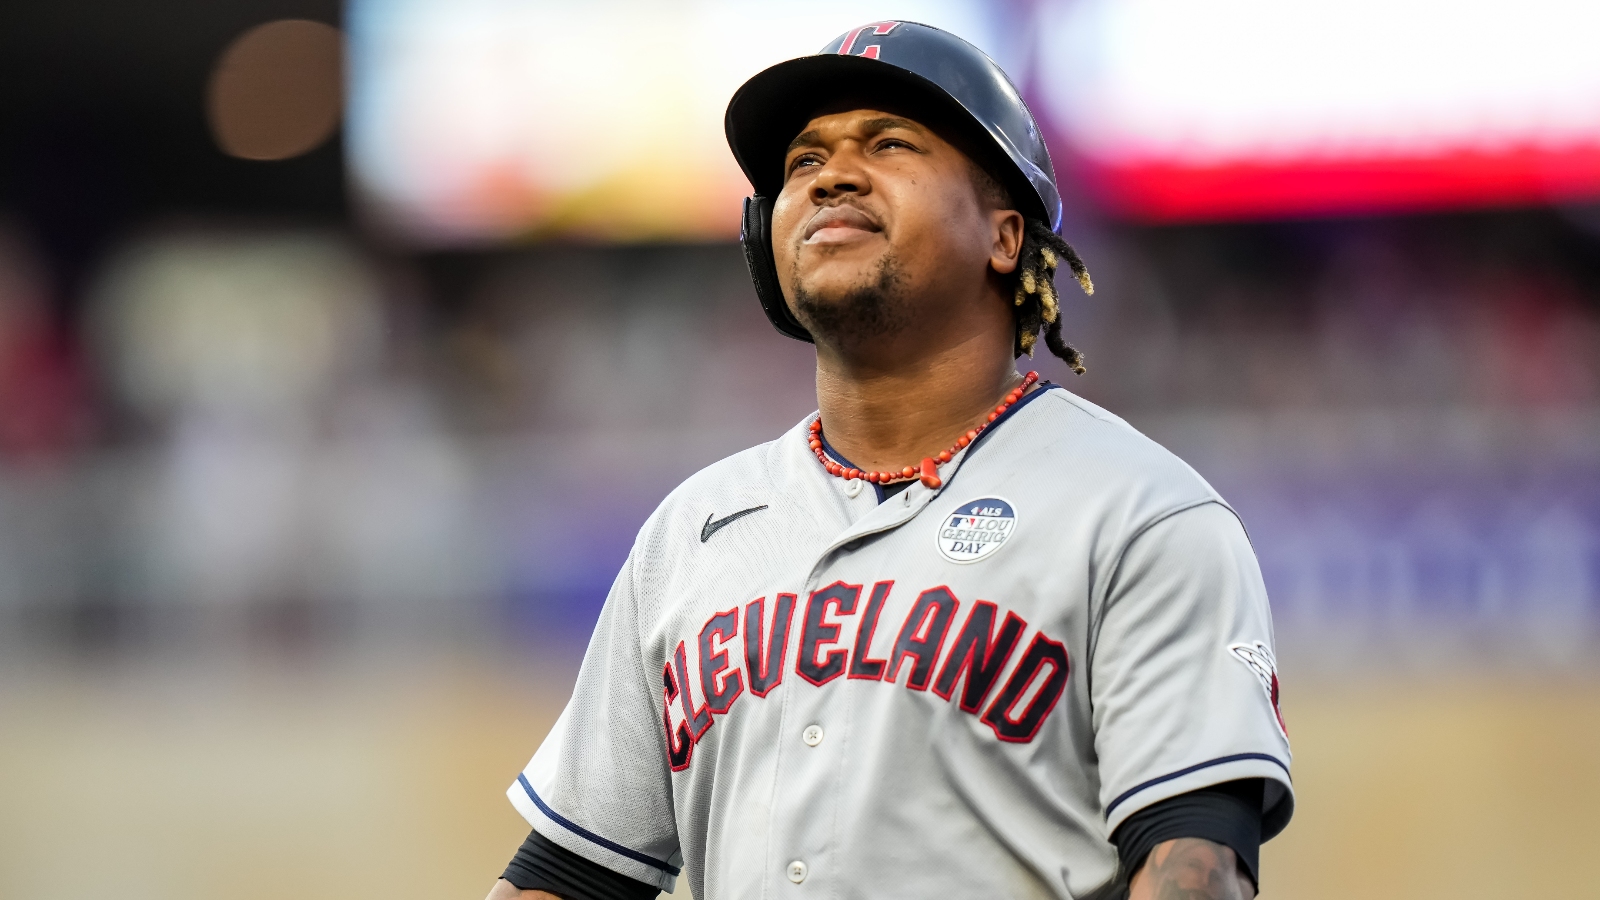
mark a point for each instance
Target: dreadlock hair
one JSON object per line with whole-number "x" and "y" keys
{"x": 1038, "y": 304}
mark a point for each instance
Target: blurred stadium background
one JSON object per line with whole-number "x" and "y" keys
{"x": 344, "y": 349}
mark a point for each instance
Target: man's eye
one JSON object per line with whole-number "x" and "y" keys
{"x": 892, "y": 142}
{"x": 803, "y": 161}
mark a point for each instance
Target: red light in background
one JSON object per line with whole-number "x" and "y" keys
{"x": 1173, "y": 192}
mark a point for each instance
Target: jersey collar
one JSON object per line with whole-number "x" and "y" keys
{"x": 965, "y": 454}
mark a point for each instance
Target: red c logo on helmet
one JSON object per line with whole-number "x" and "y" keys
{"x": 871, "y": 50}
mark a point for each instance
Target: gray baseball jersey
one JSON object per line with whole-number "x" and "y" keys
{"x": 799, "y": 689}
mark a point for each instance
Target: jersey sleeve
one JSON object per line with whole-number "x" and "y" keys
{"x": 599, "y": 785}
{"x": 1183, "y": 677}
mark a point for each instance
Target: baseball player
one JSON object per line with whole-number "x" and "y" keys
{"x": 959, "y": 634}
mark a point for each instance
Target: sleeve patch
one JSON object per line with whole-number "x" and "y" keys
{"x": 1258, "y": 658}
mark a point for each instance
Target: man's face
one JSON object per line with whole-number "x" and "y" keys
{"x": 879, "y": 222}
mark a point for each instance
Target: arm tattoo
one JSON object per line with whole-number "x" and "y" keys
{"x": 1193, "y": 869}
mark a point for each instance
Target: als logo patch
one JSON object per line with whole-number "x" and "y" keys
{"x": 1258, "y": 658}
{"x": 976, "y": 529}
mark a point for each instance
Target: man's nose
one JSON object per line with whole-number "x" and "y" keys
{"x": 843, "y": 173}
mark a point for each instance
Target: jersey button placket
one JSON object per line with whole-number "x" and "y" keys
{"x": 812, "y": 735}
{"x": 797, "y": 871}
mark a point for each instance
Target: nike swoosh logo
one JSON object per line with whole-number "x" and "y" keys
{"x": 710, "y": 528}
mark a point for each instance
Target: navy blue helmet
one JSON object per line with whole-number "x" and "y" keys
{"x": 910, "y": 66}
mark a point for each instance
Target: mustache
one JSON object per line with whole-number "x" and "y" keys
{"x": 845, "y": 215}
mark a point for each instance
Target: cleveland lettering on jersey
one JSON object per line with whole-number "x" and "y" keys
{"x": 979, "y": 655}
{"x": 861, "y": 664}
{"x": 819, "y": 633}
{"x": 680, "y": 743}
{"x": 976, "y": 659}
{"x": 922, "y": 636}
{"x": 719, "y": 685}
{"x": 1008, "y": 723}
{"x": 766, "y": 665}
{"x": 697, "y": 718}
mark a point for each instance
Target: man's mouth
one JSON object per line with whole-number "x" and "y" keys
{"x": 838, "y": 224}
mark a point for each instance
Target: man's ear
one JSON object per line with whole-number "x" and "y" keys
{"x": 1006, "y": 228}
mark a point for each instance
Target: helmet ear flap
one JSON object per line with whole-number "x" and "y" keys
{"x": 755, "y": 235}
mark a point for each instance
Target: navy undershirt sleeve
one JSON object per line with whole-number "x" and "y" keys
{"x": 543, "y": 865}
{"x": 1228, "y": 814}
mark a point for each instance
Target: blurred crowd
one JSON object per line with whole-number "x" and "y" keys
{"x": 1405, "y": 412}
{"x": 270, "y": 436}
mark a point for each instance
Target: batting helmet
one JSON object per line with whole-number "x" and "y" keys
{"x": 903, "y": 62}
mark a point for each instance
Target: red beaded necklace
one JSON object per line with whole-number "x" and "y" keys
{"x": 928, "y": 472}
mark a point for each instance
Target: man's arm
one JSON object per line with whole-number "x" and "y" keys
{"x": 603, "y": 765}
{"x": 1178, "y": 694}
{"x": 1187, "y": 869}
{"x": 505, "y": 890}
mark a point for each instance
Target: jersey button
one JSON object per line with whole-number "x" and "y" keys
{"x": 852, "y": 488}
{"x": 797, "y": 871}
{"x": 812, "y": 735}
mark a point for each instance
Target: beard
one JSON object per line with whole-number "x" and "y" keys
{"x": 876, "y": 308}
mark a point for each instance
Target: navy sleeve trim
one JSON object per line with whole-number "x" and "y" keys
{"x": 590, "y": 836}
{"x": 1221, "y": 760}
{"x": 543, "y": 865}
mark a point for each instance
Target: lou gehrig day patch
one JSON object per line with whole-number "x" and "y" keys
{"x": 976, "y": 529}
{"x": 1258, "y": 658}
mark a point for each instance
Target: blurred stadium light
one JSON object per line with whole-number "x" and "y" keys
{"x": 246, "y": 326}
{"x": 490, "y": 119}
{"x": 480, "y": 120}
{"x": 1246, "y": 108}
{"x": 277, "y": 91}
